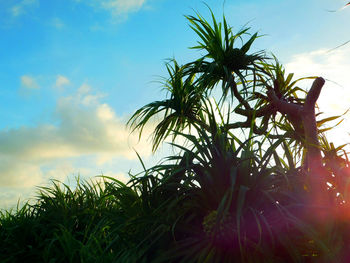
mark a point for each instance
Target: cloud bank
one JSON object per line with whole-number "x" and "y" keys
{"x": 83, "y": 129}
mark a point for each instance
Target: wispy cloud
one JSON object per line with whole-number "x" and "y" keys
{"x": 118, "y": 7}
{"x": 29, "y": 82}
{"x": 61, "y": 81}
{"x": 57, "y": 23}
{"x": 84, "y": 128}
{"x": 23, "y": 6}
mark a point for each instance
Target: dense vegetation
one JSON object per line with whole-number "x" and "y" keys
{"x": 252, "y": 177}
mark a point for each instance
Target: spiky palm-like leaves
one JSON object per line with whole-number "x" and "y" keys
{"x": 243, "y": 199}
{"x": 223, "y": 60}
{"x": 177, "y": 112}
{"x": 237, "y": 203}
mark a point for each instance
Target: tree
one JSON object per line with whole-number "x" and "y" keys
{"x": 237, "y": 189}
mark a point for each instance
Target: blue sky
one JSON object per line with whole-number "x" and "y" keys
{"x": 73, "y": 71}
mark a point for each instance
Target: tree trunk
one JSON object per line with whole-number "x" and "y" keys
{"x": 306, "y": 113}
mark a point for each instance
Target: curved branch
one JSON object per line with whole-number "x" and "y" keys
{"x": 284, "y": 106}
{"x": 236, "y": 93}
{"x": 257, "y": 113}
{"x": 257, "y": 130}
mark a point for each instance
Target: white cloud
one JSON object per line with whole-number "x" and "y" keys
{"x": 86, "y": 128}
{"x": 334, "y": 66}
{"x": 84, "y": 89}
{"x": 22, "y": 7}
{"x": 334, "y": 99}
{"x": 29, "y": 82}
{"x": 104, "y": 112}
{"x": 118, "y": 7}
{"x": 21, "y": 175}
{"x": 61, "y": 81}
{"x": 85, "y": 96}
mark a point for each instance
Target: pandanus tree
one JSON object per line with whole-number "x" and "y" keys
{"x": 253, "y": 167}
{"x": 252, "y": 177}
{"x": 263, "y": 95}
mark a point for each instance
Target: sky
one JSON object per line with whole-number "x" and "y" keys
{"x": 73, "y": 71}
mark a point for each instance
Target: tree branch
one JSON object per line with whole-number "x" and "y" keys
{"x": 236, "y": 93}
{"x": 282, "y": 105}
{"x": 314, "y": 93}
{"x": 257, "y": 113}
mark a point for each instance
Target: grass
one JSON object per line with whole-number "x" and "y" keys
{"x": 62, "y": 226}
{"x": 157, "y": 218}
